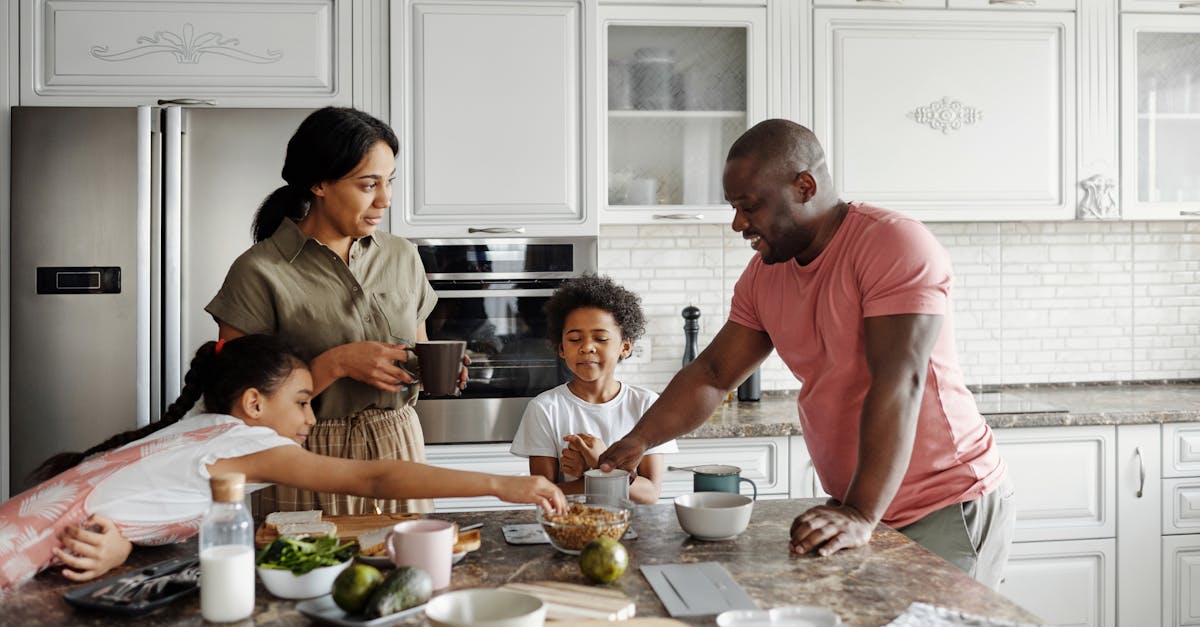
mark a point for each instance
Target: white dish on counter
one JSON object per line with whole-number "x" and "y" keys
{"x": 791, "y": 616}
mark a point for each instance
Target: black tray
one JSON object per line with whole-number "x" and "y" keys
{"x": 82, "y": 597}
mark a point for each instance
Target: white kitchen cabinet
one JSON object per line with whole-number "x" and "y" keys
{"x": 1066, "y": 528}
{"x": 1160, "y": 116}
{"x": 490, "y": 458}
{"x": 1161, "y": 6}
{"x": 949, "y": 115}
{"x": 1064, "y": 481}
{"x": 1139, "y": 491}
{"x": 490, "y": 100}
{"x": 1181, "y": 580}
{"x": 677, "y": 85}
{"x": 762, "y": 460}
{"x": 804, "y": 482}
{"x": 1066, "y": 582}
{"x": 132, "y": 52}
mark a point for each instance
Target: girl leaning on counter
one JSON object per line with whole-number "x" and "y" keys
{"x": 348, "y": 297}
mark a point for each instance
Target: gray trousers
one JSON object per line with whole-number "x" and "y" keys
{"x": 974, "y": 536}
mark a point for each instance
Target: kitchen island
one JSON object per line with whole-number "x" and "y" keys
{"x": 867, "y": 586}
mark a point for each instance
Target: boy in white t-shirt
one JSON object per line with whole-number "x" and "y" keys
{"x": 593, "y": 322}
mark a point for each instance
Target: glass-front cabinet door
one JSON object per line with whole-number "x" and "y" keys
{"x": 679, "y": 85}
{"x": 1160, "y": 116}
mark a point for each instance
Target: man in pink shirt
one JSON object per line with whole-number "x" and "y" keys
{"x": 856, "y": 301}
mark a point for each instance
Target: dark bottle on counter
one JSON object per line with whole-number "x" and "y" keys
{"x": 691, "y": 333}
{"x": 750, "y": 389}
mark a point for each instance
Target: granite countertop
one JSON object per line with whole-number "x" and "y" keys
{"x": 866, "y": 586}
{"x": 1002, "y": 406}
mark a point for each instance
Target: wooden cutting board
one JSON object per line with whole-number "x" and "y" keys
{"x": 348, "y": 527}
{"x": 573, "y": 602}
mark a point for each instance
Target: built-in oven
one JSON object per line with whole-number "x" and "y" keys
{"x": 491, "y": 293}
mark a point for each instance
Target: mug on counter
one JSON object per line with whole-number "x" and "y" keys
{"x": 719, "y": 478}
{"x": 427, "y": 544}
{"x": 614, "y": 483}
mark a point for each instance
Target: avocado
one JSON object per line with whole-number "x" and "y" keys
{"x": 403, "y": 588}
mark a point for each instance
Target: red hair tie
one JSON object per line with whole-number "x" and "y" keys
{"x": 220, "y": 345}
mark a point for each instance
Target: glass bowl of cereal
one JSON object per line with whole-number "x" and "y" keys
{"x": 587, "y": 517}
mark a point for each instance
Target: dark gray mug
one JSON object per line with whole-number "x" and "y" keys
{"x": 719, "y": 478}
{"x": 438, "y": 362}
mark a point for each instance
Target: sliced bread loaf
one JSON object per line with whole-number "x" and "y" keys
{"x": 374, "y": 542}
{"x": 277, "y": 519}
{"x": 306, "y": 529}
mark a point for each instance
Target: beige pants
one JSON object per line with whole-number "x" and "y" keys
{"x": 974, "y": 536}
{"x": 369, "y": 434}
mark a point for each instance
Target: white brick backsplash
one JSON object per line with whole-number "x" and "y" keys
{"x": 1034, "y": 302}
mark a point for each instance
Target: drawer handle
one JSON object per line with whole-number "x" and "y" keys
{"x": 1141, "y": 471}
{"x": 1024, "y": 3}
{"x": 1189, "y": 5}
{"x": 1191, "y": 213}
{"x": 678, "y": 216}
{"x": 883, "y": 1}
{"x": 497, "y": 230}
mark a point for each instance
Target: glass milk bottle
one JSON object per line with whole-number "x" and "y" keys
{"x": 227, "y": 553}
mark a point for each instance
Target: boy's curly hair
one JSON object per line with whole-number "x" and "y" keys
{"x": 602, "y": 293}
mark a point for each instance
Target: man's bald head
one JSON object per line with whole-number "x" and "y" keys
{"x": 779, "y": 144}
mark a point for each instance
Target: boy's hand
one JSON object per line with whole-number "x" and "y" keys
{"x": 92, "y": 553}
{"x": 572, "y": 465}
{"x": 588, "y": 445}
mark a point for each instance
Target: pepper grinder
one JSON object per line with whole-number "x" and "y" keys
{"x": 691, "y": 333}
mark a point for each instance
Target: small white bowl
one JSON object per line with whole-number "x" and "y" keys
{"x": 713, "y": 516}
{"x": 287, "y": 585}
{"x": 483, "y": 607}
{"x": 791, "y": 616}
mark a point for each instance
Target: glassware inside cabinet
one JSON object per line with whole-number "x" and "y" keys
{"x": 1168, "y": 124}
{"x": 676, "y": 102}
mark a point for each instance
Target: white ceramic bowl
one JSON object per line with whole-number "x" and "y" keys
{"x": 484, "y": 607}
{"x": 791, "y": 616}
{"x": 287, "y": 585}
{"x": 713, "y": 515}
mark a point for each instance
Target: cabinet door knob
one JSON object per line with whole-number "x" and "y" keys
{"x": 497, "y": 230}
{"x": 1141, "y": 471}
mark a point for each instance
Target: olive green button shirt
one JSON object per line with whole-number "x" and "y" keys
{"x": 293, "y": 286}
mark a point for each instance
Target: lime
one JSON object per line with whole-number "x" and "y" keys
{"x": 354, "y": 586}
{"x": 603, "y": 560}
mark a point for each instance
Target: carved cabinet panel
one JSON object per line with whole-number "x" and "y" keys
{"x": 949, "y": 115}
{"x": 103, "y": 52}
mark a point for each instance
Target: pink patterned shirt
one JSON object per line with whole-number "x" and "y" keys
{"x": 155, "y": 489}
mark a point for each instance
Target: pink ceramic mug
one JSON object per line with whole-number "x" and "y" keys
{"x": 426, "y": 544}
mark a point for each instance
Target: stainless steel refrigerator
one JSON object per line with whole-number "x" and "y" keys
{"x": 124, "y": 222}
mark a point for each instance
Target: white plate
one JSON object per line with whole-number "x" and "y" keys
{"x": 324, "y": 610}
{"x": 793, "y": 615}
{"x": 382, "y": 561}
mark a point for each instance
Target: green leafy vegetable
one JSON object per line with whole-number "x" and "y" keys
{"x": 300, "y": 555}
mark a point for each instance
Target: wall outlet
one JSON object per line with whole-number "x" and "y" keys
{"x": 640, "y": 354}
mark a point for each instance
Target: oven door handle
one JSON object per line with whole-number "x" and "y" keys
{"x": 492, "y": 293}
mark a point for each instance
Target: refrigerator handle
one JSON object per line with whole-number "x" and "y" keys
{"x": 172, "y": 337}
{"x": 142, "y": 279}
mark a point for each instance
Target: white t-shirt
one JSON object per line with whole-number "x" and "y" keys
{"x": 173, "y": 485}
{"x": 556, "y": 413}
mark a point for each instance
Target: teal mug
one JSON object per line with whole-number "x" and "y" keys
{"x": 719, "y": 478}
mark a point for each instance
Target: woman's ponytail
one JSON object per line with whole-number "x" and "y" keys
{"x": 285, "y": 202}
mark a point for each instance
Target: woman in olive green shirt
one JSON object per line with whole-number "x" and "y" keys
{"x": 349, "y": 298}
